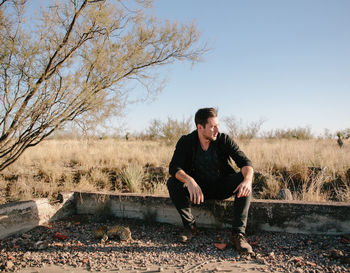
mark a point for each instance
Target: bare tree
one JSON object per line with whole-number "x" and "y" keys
{"x": 78, "y": 61}
{"x": 237, "y": 129}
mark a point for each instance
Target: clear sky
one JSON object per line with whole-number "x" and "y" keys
{"x": 287, "y": 62}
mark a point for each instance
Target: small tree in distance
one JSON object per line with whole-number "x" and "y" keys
{"x": 236, "y": 128}
{"x": 170, "y": 130}
{"x": 173, "y": 129}
{"x": 77, "y": 64}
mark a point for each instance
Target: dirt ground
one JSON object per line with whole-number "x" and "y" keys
{"x": 70, "y": 245}
{"x": 225, "y": 266}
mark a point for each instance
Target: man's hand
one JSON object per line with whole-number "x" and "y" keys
{"x": 245, "y": 188}
{"x": 196, "y": 195}
{"x": 195, "y": 191}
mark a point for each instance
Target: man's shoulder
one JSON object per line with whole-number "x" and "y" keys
{"x": 224, "y": 141}
{"x": 188, "y": 139}
{"x": 222, "y": 137}
{"x": 191, "y": 136}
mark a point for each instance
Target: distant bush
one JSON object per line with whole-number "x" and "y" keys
{"x": 296, "y": 133}
{"x": 238, "y": 130}
{"x": 170, "y": 130}
{"x": 345, "y": 133}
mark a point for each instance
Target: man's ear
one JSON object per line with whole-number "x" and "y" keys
{"x": 199, "y": 127}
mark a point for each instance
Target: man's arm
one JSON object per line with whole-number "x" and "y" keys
{"x": 196, "y": 195}
{"x": 245, "y": 188}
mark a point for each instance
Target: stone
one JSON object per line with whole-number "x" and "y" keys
{"x": 9, "y": 265}
{"x": 336, "y": 253}
{"x": 285, "y": 194}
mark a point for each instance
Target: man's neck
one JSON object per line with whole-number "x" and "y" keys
{"x": 205, "y": 143}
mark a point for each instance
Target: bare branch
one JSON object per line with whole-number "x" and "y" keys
{"x": 2, "y": 2}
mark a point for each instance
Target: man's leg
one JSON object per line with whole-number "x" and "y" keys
{"x": 226, "y": 187}
{"x": 241, "y": 208}
{"x": 181, "y": 199}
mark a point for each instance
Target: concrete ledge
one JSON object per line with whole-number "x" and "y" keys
{"x": 301, "y": 217}
{"x": 18, "y": 217}
{"x": 267, "y": 215}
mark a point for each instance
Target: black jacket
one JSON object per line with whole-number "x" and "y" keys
{"x": 226, "y": 149}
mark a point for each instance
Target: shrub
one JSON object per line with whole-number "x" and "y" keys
{"x": 170, "y": 131}
{"x": 296, "y": 133}
{"x": 237, "y": 129}
{"x": 133, "y": 176}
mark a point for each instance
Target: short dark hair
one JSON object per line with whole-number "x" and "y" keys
{"x": 203, "y": 114}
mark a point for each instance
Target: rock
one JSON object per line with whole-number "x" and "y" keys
{"x": 272, "y": 255}
{"x": 9, "y": 265}
{"x": 345, "y": 240}
{"x": 297, "y": 259}
{"x": 345, "y": 260}
{"x": 26, "y": 236}
{"x": 40, "y": 245}
{"x": 60, "y": 236}
{"x": 260, "y": 259}
{"x": 336, "y": 253}
{"x": 285, "y": 194}
{"x": 120, "y": 232}
{"x": 311, "y": 264}
{"x": 100, "y": 232}
{"x": 298, "y": 270}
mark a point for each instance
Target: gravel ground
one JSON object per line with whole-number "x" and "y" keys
{"x": 154, "y": 248}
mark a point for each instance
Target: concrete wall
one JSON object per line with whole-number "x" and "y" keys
{"x": 18, "y": 217}
{"x": 268, "y": 215}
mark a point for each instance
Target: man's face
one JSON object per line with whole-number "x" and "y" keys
{"x": 211, "y": 129}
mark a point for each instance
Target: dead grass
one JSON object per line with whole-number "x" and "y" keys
{"x": 314, "y": 170}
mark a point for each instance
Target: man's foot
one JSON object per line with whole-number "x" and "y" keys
{"x": 239, "y": 241}
{"x": 187, "y": 234}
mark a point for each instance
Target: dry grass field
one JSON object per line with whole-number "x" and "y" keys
{"x": 313, "y": 170}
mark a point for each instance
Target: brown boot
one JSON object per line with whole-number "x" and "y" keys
{"x": 239, "y": 242}
{"x": 187, "y": 234}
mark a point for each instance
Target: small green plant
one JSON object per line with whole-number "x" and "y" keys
{"x": 133, "y": 176}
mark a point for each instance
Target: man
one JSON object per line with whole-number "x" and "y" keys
{"x": 200, "y": 169}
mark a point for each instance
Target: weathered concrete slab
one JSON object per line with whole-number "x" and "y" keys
{"x": 19, "y": 217}
{"x": 146, "y": 207}
{"x": 268, "y": 215}
{"x": 301, "y": 217}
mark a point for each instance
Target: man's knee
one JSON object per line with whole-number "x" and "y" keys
{"x": 176, "y": 188}
{"x": 173, "y": 184}
{"x": 170, "y": 183}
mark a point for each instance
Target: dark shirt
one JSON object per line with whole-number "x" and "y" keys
{"x": 224, "y": 147}
{"x": 206, "y": 164}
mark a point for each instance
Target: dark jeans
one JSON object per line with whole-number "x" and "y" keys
{"x": 221, "y": 189}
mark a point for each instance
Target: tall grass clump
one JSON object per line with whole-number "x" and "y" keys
{"x": 133, "y": 177}
{"x": 313, "y": 189}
